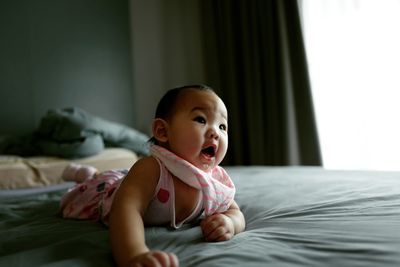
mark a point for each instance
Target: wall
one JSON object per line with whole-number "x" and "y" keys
{"x": 64, "y": 53}
{"x": 167, "y": 51}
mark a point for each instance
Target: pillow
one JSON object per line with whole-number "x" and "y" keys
{"x": 19, "y": 172}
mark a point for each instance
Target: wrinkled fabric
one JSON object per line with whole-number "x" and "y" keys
{"x": 90, "y": 200}
{"x": 74, "y": 133}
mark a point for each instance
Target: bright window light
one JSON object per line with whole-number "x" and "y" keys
{"x": 353, "y": 50}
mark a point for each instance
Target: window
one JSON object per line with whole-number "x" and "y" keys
{"x": 353, "y": 50}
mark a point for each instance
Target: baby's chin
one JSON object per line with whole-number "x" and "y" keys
{"x": 206, "y": 167}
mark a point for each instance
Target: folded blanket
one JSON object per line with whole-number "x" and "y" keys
{"x": 74, "y": 133}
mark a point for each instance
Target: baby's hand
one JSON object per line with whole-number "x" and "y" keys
{"x": 155, "y": 259}
{"x": 217, "y": 227}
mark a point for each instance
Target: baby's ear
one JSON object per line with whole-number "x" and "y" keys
{"x": 160, "y": 130}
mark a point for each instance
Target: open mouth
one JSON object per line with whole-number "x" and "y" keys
{"x": 209, "y": 151}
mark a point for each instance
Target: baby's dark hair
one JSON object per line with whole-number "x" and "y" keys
{"x": 167, "y": 103}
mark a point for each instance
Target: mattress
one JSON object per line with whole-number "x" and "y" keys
{"x": 296, "y": 216}
{"x": 18, "y": 172}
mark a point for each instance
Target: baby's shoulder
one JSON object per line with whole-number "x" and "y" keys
{"x": 147, "y": 161}
{"x": 146, "y": 166}
{"x": 143, "y": 175}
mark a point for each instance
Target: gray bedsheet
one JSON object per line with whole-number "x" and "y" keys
{"x": 296, "y": 216}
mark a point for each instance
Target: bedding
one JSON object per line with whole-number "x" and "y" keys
{"x": 24, "y": 172}
{"x": 73, "y": 133}
{"x": 296, "y": 216}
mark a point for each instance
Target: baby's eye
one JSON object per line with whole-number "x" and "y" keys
{"x": 223, "y": 127}
{"x": 200, "y": 119}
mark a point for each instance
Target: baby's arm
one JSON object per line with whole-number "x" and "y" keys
{"x": 223, "y": 226}
{"x": 126, "y": 223}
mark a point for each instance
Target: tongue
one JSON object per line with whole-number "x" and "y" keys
{"x": 209, "y": 151}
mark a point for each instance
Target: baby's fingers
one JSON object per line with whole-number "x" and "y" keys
{"x": 156, "y": 259}
{"x": 166, "y": 259}
{"x": 173, "y": 260}
{"x": 217, "y": 227}
{"x": 208, "y": 226}
{"x": 219, "y": 234}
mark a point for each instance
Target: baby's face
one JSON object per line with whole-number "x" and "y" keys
{"x": 198, "y": 129}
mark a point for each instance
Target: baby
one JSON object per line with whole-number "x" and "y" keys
{"x": 180, "y": 182}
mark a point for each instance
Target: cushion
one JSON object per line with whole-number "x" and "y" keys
{"x": 19, "y": 172}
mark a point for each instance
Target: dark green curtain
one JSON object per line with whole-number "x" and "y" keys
{"x": 255, "y": 59}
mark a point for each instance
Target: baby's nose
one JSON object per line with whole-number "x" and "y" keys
{"x": 213, "y": 133}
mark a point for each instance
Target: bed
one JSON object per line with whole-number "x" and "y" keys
{"x": 296, "y": 216}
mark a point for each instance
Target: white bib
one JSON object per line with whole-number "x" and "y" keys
{"x": 216, "y": 185}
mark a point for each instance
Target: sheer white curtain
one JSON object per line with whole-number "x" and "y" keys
{"x": 353, "y": 49}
